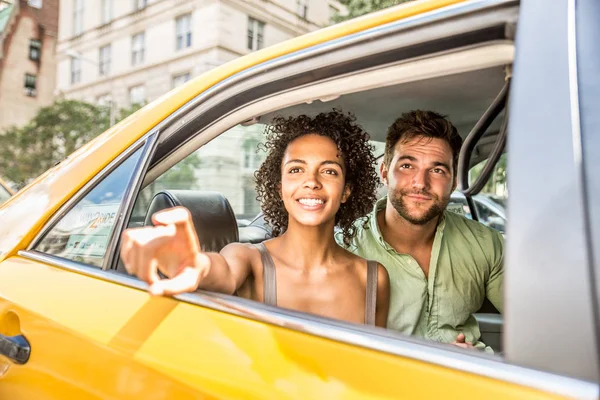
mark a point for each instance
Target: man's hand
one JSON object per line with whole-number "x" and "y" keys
{"x": 460, "y": 342}
{"x": 171, "y": 247}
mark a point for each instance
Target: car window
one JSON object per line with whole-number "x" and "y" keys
{"x": 84, "y": 232}
{"x": 226, "y": 165}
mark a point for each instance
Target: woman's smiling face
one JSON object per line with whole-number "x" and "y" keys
{"x": 312, "y": 180}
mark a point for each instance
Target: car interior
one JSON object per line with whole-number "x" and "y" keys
{"x": 211, "y": 174}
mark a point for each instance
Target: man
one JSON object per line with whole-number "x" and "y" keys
{"x": 441, "y": 265}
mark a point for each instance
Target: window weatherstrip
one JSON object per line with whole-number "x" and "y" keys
{"x": 363, "y": 336}
{"x": 127, "y": 202}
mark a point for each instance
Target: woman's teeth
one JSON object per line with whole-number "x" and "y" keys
{"x": 310, "y": 202}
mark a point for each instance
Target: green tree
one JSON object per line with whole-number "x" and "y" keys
{"x": 356, "y": 8}
{"x": 54, "y": 133}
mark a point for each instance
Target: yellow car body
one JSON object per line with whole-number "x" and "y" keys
{"x": 95, "y": 337}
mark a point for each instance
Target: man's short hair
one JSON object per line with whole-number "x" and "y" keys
{"x": 426, "y": 124}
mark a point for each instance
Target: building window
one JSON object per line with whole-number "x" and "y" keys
{"x": 137, "y": 48}
{"x": 104, "y": 100}
{"x": 106, "y": 11}
{"x": 75, "y": 70}
{"x": 256, "y": 33}
{"x": 333, "y": 12}
{"x": 139, "y": 4}
{"x": 35, "y": 3}
{"x": 183, "y": 28}
{"x": 180, "y": 79}
{"x": 35, "y": 49}
{"x": 30, "y": 85}
{"x": 137, "y": 95}
{"x": 77, "y": 17}
{"x": 302, "y": 8}
{"x": 104, "y": 64}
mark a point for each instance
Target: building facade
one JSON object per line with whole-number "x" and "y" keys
{"x": 133, "y": 51}
{"x": 28, "y": 36}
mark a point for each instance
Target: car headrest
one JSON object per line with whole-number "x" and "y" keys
{"x": 213, "y": 217}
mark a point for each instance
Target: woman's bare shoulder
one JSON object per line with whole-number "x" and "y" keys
{"x": 241, "y": 252}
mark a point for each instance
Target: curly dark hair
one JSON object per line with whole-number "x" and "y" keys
{"x": 421, "y": 123}
{"x": 356, "y": 152}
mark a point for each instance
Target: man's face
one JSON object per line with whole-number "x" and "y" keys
{"x": 420, "y": 179}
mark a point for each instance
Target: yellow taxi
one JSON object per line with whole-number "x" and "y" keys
{"x": 516, "y": 78}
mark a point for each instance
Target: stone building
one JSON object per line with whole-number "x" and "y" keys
{"x": 28, "y": 36}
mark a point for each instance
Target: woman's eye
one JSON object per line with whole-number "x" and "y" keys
{"x": 331, "y": 172}
{"x": 294, "y": 170}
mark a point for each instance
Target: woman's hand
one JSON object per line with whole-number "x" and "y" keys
{"x": 171, "y": 247}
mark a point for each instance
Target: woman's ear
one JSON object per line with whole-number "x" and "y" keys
{"x": 346, "y": 193}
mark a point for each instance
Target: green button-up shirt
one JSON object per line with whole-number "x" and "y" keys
{"x": 465, "y": 267}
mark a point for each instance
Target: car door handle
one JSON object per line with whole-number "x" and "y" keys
{"x": 16, "y": 348}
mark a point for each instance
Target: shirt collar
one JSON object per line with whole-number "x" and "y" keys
{"x": 381, "y": 205}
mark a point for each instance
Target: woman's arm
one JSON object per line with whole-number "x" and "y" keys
{"x": 172, "y": 247}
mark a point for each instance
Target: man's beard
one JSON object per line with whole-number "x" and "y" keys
{"x": 435, "y": 210}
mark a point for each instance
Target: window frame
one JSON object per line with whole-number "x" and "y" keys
{"x": 75, "y": 70}
{"x": 132, "y": 89}
{"x": 175, "y": 77}
{"x": 106, "y": 11}
{"x": 256, "y": 34}
{"x": 104, "y": 60}
{"x": 195, "y": 113}
{"x": 30, "y": 85}
{"x": 183, "y": 32}
{"x": 302, "y": 8}
{"x": 138, "y": 48}
{"x": 139, "y": 5}
{"x": 35, "y": 45}
{"x": 78, "y": 14}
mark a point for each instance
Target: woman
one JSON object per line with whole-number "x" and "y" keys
{"x": 319, "y": 173}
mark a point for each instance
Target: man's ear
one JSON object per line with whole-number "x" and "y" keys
{"x": 346, "y": 194}
{"x": 383, "y": 171}
{"x": 455, "y": 184}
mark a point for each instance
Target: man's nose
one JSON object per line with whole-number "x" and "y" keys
{"x": 421, "y": 179}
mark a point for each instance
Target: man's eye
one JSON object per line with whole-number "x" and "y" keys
{"x": 405, "y": 166}
{"x": 294, "y": 170}
{"x": 439, "y": 171}
{"x": 331, "y": 171}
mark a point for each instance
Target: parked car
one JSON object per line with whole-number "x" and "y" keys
{"x": 73, "y": 324}
{"x": 489, "y": 212}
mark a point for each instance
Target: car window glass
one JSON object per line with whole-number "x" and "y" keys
{"x": 226, "y": 165}
{"x": 84, "y": 232}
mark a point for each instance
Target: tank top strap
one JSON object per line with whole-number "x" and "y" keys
{"x": 269, "y": 276}
{"x": 371, "y": 299}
